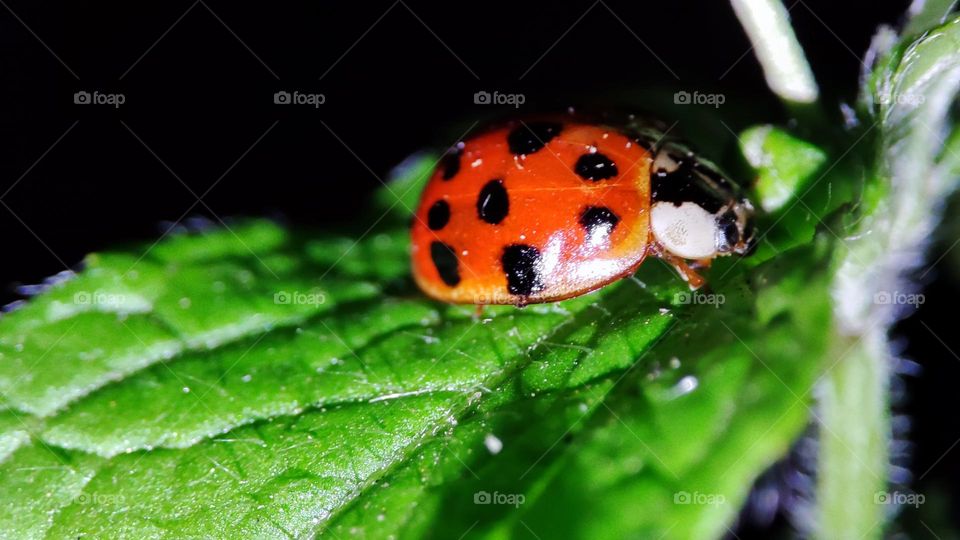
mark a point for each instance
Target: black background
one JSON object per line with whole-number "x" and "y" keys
{"x": 199, "y": 79}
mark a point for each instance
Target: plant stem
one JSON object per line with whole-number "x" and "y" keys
{"x": 917, "y": 172}
{"x": 785, "y": 67}
{"x": 854, "y": 423}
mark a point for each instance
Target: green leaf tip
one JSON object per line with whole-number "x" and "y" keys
{"x": 784, "y": 164}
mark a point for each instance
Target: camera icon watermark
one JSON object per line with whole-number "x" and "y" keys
{"x": 99, "y": 298}
{"x": 897, "y": 298}
{"x": 697, "y": 98}
{"x": 99, "y": 98}
{"x": 899, "y": 498}
{"x": 299, "y": 298}
{"x": 100, "y": 499}
{"x": 296, "y": 97}
{"x": 698, "y": 298}
{"x": 698, "y": 498}
{"x": 511, "y": 499}
{"x": 496, "y": 98}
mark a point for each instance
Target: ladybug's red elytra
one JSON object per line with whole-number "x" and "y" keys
{"x": 548, "y": 208}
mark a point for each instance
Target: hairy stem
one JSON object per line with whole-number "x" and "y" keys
{"x": 854, "y": 421}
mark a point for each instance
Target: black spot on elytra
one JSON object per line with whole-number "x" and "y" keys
{"x": 528, "y": 138}
{"x": 450, "y": 163}
{"x": 595, "y": 218}
{"x": 521, "y": 264}
{"x": 438, "y": 216}
{"x": 445, "y": 259}
{"x": 493, "y": 204}
{"x": 595, "y": 166}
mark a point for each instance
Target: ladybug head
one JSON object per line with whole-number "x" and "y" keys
{"x": 735, "y": 232}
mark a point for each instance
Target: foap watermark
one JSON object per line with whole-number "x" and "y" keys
{"x": 99, "y": 499}
{"x": 699, "y": 299}
{"x": 497, "y": 98}
{"x": 899, "y": 498}
{"x": 512, "y": 499}
{"x": 98, "y": 298}
{"x": 494, "y": 297}
{"x": 299, "y": 298}
{"x": 905, "y": 98}
{"x": 897, "y": 298}
{"x": 698, "y": 98}
{"x": 698, "y": 498}
{"x": 297, "y": 97}
{"x": 97, "y": 97}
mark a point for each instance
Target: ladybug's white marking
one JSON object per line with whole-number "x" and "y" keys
{"x": 687, "y": 230}
{"x": 664, "y": 162}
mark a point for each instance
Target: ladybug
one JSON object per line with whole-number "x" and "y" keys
{"x": 553, "y": 207}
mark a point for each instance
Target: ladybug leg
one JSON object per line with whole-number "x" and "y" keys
{"x": 701, "y": 263}
{"x": 479, "y": 312}
{"x": 687, "y": 272}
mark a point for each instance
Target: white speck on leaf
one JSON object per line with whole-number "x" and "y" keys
{"x": 685, "y": 385}
{"x": 493, "y": 444}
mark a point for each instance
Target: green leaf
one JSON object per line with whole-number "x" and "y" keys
{"x": 271, "y": 384}
{"x": 678, "y": 435}
{"x": 928, "y": 14}
{"x": 784, "y": 164}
